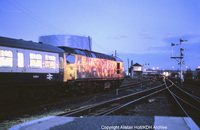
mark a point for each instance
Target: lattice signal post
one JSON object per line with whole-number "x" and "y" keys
{"x": 180, "y": 58}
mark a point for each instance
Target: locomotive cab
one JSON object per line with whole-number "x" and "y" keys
{"x": 70, "y": 70}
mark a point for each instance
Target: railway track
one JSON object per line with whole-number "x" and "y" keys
{"x": 111, "y": 106}
{"x": 20, "y": 108}
{"x": 27, "y": 112}
{"x": 189, "y": 104}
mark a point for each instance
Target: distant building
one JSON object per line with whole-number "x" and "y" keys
{"x": 149, "y": 72}
{"x": 196, "y": 74}
{"x": 136, "y": 70}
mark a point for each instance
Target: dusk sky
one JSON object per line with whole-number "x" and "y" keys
{"x": 141, "y": 30}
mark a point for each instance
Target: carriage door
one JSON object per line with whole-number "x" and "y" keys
{"x": 118, "y": 68}
{"x": 20, "y": 60}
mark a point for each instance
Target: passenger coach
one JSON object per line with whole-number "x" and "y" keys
{"x": 26, "y": 66}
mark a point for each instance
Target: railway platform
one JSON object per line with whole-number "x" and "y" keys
{"x": 109, "y": 123}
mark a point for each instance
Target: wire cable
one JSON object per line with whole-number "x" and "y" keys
{"x": 48, "y": 24}
{"x": 31, "y": 15}
{"x": 37, "y": 18}
{"x": 99, "y": 46}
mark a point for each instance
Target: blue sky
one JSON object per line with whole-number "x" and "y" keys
{"x": 141, "y": 30}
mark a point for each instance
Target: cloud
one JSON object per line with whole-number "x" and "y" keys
{"x": 192, "y": 45}
{"x": 118, "y": 37}
{"x": 191, "y": 37}
{"x": 160, "y": 60}
{"x": 145, "y": 35}
{"x": 163, "y": 49}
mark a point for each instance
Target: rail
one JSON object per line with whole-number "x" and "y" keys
{"x": 95, "y": 107}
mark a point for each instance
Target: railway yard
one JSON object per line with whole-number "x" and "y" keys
{"x": 99, "y": 65}
{"x": 138, "y": 101}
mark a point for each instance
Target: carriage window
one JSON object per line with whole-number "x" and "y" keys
{"x": 20, "y": 60}
{"x": 118, "y": 65}
{"x": 6, "y": 58}
{"x": 50, "y": 61}
{"x": 79, "y": 60}
{"x": 35, "y": 60}
{"x": 70, "y": 59}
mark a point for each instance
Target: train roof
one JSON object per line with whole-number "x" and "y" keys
{"x": 89, "y": 53}
{"x": 19, "y": 43}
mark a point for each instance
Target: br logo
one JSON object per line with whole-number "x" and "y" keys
{"x": 49, "y": 76}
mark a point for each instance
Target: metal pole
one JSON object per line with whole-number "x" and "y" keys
{"x": 181, "y": 65}
{"x": 180, "y": 62}
{"x": 117, "y": 92}
{"x": 172, "y": 51}
{"x": 89, "y": 43}
{"x": 128, "y": 66}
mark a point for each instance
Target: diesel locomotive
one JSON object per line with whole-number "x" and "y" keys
{"x": 31, "y": 70}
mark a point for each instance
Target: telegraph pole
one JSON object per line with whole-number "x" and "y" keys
{"x": 180, "y": 58}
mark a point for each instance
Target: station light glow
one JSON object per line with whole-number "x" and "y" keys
{"x": 166, "y": 73}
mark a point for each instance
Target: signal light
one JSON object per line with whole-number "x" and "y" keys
{"x": 172, "y": 44}
{"x": 181, "y": 54}
{"x": 183, "y": 40}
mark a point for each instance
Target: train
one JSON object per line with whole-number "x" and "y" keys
{"x": 31, "y": 70}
